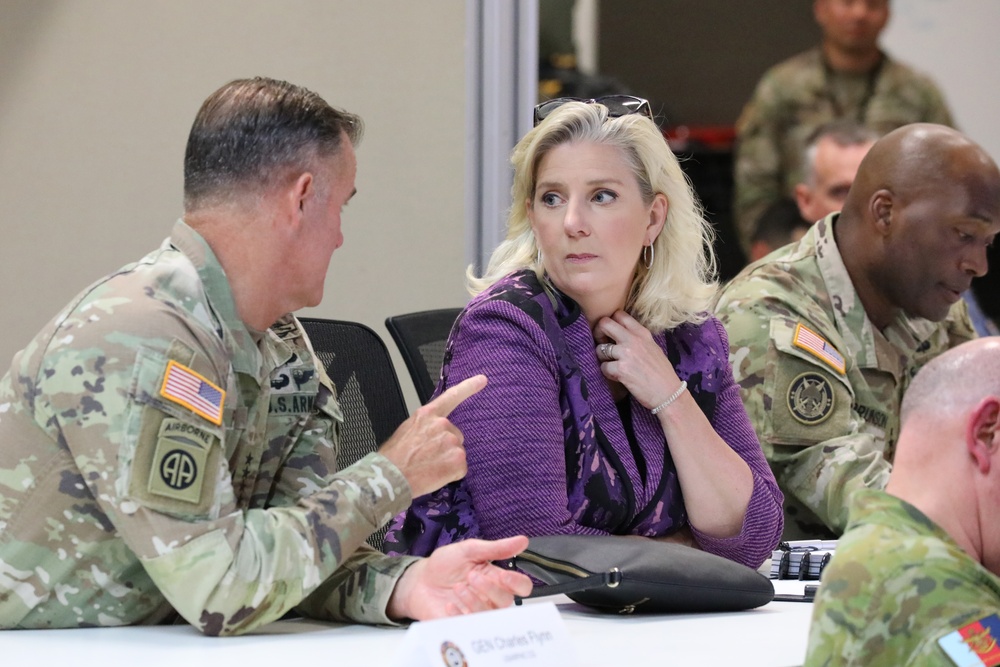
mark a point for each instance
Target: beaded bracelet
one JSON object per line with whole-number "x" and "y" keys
{"x": 673, "y": 397}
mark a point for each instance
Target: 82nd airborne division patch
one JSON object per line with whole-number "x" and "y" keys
{"x": 178, "y": 469}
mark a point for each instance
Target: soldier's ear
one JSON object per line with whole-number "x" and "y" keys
{"x": 982, "y": 433}
{"x": 880, "y": 208}
{"x": 303, "y": 189}
{"x": 295, "y": 196}
{"x": 803, "y": 197}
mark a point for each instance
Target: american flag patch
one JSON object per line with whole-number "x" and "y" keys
{"x": 810, "y": 341}
{"x": 182, "y": 385}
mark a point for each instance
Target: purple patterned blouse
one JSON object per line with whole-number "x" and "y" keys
{"x": 547, "y": 449}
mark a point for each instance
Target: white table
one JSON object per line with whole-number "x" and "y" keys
{"x": 773, "y": 635}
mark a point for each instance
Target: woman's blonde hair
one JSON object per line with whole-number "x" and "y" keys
{"x": 680, "y": 284}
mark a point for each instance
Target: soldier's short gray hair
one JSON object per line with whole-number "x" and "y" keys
{"x": 957, "y": 380}
{"x": 842, "y": 132}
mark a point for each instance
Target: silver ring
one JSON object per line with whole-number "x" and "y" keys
{"x": 604, "y": 350}
{"x": 611, "y": 347}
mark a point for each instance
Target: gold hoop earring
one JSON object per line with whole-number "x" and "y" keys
{"x": 648, "y": 261}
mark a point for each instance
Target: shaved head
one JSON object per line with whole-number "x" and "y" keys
{"x": 955, "y": 382}
{"x": 915, "y": 158}
{"x": 917, "y": 221}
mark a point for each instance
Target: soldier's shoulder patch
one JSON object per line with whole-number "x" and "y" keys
{"x": 808, "y": 340}
{"x": 194, "y": 391}
{"x": 974, "y": 644}
{"x": 179, "y": 460}
{"x": 810, "y": 398}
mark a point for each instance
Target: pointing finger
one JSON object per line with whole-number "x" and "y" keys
{"x": 452, "y": 397}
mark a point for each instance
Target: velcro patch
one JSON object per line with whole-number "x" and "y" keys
{"x": 810, "y": 341}
{"x": 178, "y": 466}
{"x": 975, "y": 643}
{"x": 194, "y": 391}
{"x": 810, "y": 398}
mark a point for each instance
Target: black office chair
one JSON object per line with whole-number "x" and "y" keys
{"x": 421, "y": 338}
{"x": 368, "y": 389}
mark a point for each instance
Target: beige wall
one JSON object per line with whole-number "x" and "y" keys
{"x": 97, "y": 96}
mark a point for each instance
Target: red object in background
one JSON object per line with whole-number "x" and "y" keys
{"x": 716, "y": 137}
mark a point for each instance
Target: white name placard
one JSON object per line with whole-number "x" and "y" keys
{"x": 527, "y": 636}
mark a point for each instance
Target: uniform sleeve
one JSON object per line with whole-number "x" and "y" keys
{"x": 360, "y": 587}
{"x": 800, "y": 407}
{"x": 763, "y": 522}
{"x": 513, "y": 427}
{"x": 154, "y": 459}
{"x": 757, "y": 164}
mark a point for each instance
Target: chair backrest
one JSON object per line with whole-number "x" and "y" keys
{"x": 421, "y": 338}
{"x": 368, "y": 389}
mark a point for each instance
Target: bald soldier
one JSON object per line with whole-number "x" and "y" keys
{"x": 168, "y": 442}
{"x": 826, "y": 334}
{"x": 915, "y": 576}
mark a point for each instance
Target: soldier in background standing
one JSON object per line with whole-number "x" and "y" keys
{"x": 846, "y": 77}
{"x": 168, "y": 443}
{"x": 914, "y": 580}
{"x": 826, "y": 334}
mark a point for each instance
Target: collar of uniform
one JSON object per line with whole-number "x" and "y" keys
{"x": 285, "y": 341}
{"x": 814, "y": 75}
{"x": 905, "y": 334}
{"x": 875, "y": 505}
{"x": 242, "y": 347}
{"x": 853, "y": 324}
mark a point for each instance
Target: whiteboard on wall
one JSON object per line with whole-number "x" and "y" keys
{"x": 955, "y": 42}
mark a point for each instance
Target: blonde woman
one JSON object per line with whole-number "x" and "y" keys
{"x": 611, "y": 407}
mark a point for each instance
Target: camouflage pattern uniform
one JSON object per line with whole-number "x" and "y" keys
{"x": 121, "y": 505}
{"x": 797, "y": 96}
{"x": 897, "y": 584}
{"x": 827, "y": 430}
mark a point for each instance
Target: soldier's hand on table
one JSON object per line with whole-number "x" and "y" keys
{"x": 459, "y": 579}
{"x": 427, "y": 448}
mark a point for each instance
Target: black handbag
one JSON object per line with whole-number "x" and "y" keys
{"x": 626, "y": 575}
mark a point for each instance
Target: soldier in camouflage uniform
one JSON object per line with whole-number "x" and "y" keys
{"x": 918, "y": 563}
{"x": 168, "y": 443}
{"x": 826, "y": 334}
{"x": 846, "y": 77}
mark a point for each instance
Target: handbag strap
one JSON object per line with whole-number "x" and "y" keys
{"x": 609, "y": 579}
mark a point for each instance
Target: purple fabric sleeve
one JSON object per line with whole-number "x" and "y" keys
{"x": 513, "y": 428}
{"x": 763, "y": 522}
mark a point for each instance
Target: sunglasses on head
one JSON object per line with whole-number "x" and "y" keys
{"x": 618, "y": 105}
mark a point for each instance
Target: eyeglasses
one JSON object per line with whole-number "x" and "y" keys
{"x": 618, "y": 105}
